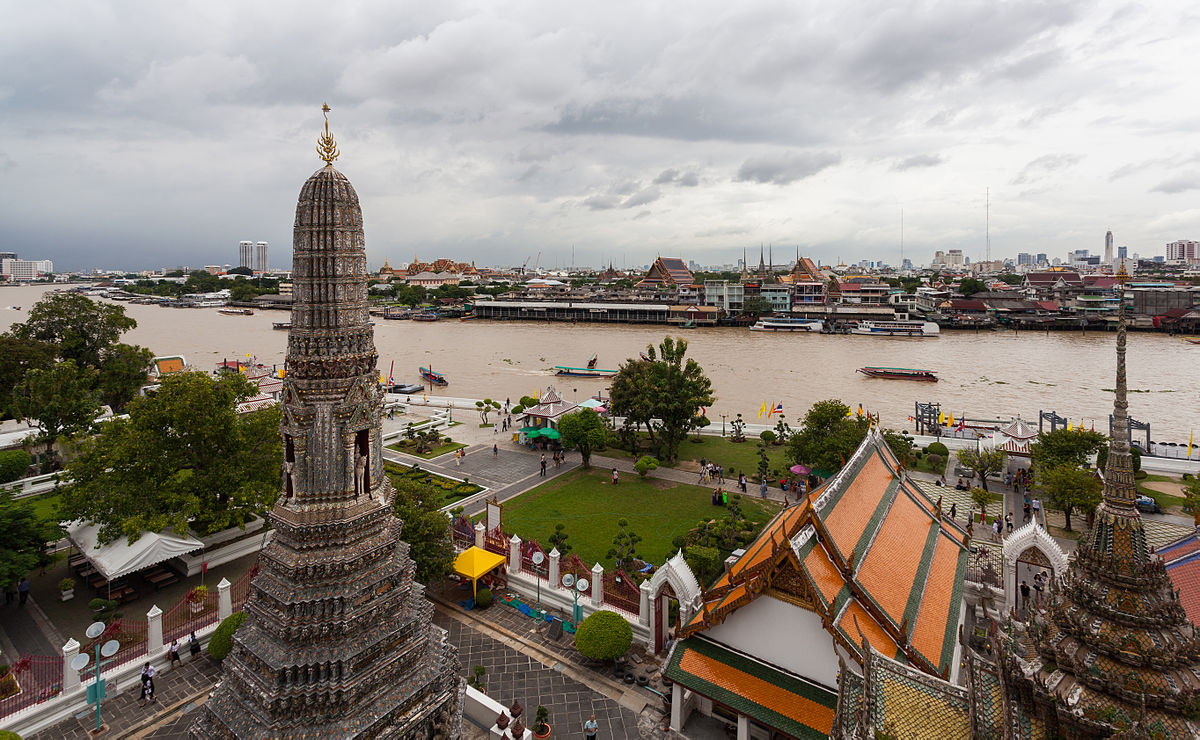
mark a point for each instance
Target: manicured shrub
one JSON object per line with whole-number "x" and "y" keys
{"x": 645, "y": 464}
{"x": 936, "y": 461}
{"x": 767, "y": 436}
{"x": 14, "y": 464}
{"x": 221, "y": 641}
{"x": 8, "y": 734}
{"x": 483, "y": 598}
{"x": 603, "y": 636}
{"x": 937, "y": 448}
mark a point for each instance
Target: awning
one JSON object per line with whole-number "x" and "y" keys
{"x": 551, "y": 433}
{"x": 527, "y": 430}
{"x": 591, "y": 403}
{"x": 475, "y": 562}
{"x": 532, "y": 433}
{"x": 119, "y": 558}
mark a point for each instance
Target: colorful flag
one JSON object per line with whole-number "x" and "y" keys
{"x": 762, "y": 410}
{"x": 950, "y": 419}
{"x": 1190, "y": 434}
{"x": 1069, "y": 427}
{"x": 941, "y": 418}
{"x": 775, "y": 409}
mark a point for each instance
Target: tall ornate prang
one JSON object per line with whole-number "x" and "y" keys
{"x": 1111, "y": 651}
{"x": 338, "y": 640}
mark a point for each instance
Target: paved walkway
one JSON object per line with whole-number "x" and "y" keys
{"x": 24, "y": 630}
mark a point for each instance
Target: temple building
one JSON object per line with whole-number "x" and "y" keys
{"x": 865, "y": 562}
{"x": 338, "y": 639}
{"x": 667, "y": 272}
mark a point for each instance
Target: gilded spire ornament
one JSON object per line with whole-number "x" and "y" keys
{"x": 327, "y": 148}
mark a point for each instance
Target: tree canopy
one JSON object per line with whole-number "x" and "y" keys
{"x": 756, "y": 305}
{"x": 584, "y": 431}
{"x": 1064, "y": 447}
{"x": 984, "y": 461}
{"x": 79, "y": 327}
{"x": 23, "y": 539}
{"x": 1068, "y": 488}
{"x": 670, "y": 389}
{"x": 183, "y": 456}
{"x": 60, "y": 399}
{"x": 424, "y": 529}
{"x": 18, "y": 357}
{"x": 829, "y": 436}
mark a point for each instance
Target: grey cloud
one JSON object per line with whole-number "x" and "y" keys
{"x": 918, "y": 161}
{"x": 689, "y": 180}
{"x": 666, "y": 177}
{"x": 1045, "y": 165}
{"x": 602, "y": 202}
{"x": 675, "y": 177}
{"x": 642, "y": 197}
{"x": 783, "y": 169}
{"x": 1179, "y": 184}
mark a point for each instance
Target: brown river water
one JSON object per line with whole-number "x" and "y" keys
{"x": 986, "y": 374}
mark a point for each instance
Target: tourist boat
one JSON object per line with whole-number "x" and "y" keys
{"x": 583, "y": 372}
{"x": 208, "y": 303}
{"x": 236, "y": 311}
{"x": 282, "y": 325}
{"x": 431, "y": 377}
{"x": 426, "y": 316}
{"x": 1192, "y": 340}
{"x": 468, "y": 317}
{"x": 645, "y": 357}
{"x": 895, "y": 328}
{"x": 404, "y": 389}
{"x": 788, "y": 323}
{"x": 899, "y": 373}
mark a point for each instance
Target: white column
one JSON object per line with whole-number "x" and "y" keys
{"x": 552, "y": 574}
{"x": 224, "y": 599}
{"x": 514, "y": 555}
{"x": 597, "y": 585}
{"x": 70, "y": 675}
{"x": 743, "y": 727}
{"x": 479, "y": 530}
{"x": 644, "y": 604}
{"x": 154, "y": 640}
{"x": 677, "y": 717}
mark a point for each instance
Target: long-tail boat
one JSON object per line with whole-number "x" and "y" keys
{"x": 899, "y": 373}
{"x": 431, "y": 377}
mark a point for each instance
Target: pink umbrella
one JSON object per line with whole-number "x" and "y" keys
{"x": 800, "y": 469}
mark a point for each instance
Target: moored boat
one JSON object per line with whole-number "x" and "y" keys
{"x": 236, "y": 311}
{"x": 896, "y": 328}
{"x": 404, "y": 388}
{"x": 426, "y": 316}
{"x": 583, "y": 372}
{"x": 282, "y": 325}
{"x": 431, "y": 377}
{"x": 1192, "y": 340}
{"x": 899, "y": 373}
{"x": 788, "y": 323}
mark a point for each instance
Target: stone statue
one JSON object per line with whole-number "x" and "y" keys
{"x": 289, "y": 478}
{"x": 360, "y": 473}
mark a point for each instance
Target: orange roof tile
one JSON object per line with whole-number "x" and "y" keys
{"x": 853, "y": 510}
{"x": 824, "y": 573}
{"x": 855, "y": 614}
{"x": 776, "y": 698}
{"x": 892, "y": 562}
{"x": 930, "y": 633}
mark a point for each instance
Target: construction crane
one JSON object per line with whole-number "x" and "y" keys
{"x": 537, "y": 262}
{"x": 526, "y": 263}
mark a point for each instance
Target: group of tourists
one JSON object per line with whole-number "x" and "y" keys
{"x": 1041, "y": 581}
{"x": 148, "y": 671}
{"x": 711, "y": 472}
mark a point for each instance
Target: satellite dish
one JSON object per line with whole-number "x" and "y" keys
{"x": 568, "y": 580}
{"x": 538, "y": 558}
{"x": 79, "y": 662}
{"x": 110, "y": 648}
{"x": 95, "y": 629}
{"x": 582, "y": 585}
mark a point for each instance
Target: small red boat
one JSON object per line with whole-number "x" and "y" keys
{"x": 899, "y": 373}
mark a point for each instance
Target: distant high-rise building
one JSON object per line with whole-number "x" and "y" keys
{"x": 1108, "y": 248}
{"x": 1185, "y": 250}
{"x": 8, "y": 255}
{"x": 1043, "y": 258}
{"x": 1122, "y": 252}
{"x": 15, "y": 269}
{"x": 246, "y": 254}
{"x": 260, "y": 257}
{"x": 1024, "y": 258}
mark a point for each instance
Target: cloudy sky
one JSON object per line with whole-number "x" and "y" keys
{"x": 160, "y": 134}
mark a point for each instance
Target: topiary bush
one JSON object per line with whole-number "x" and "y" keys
{"x": 14, "y": 464}
{"x": 221, "y": 641}
{"x": 644, "y": 465}
{"x": 603, "y": 636}
{"x": 483, "y": 598}
{"x": 767, "y": 436}
{"x": 937, "y": 448}
{"x": 9, "y": 735}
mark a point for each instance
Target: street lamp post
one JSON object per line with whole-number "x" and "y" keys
{"x": 579, "y": 587}
{"x": 538, "y": 559}
{"x": 723, "y": 424}
{"x": 95, "y": 692}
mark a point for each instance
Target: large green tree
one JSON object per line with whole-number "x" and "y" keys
{"x": 184, "y": 456}
{"x": 18, "y": 357}
{"x": 79, "y": 327}
{"x": 756, "y": 306}
{"x": 425, "y": 529}
{"x": 584, "y": 431}
{"x": 829, "y": 436}
{"x": 123, "y": 372}
{"x": 60, "y": 399}
{"x": 1064, "y": 447}
{"x": 984, "y": 461}
{"x": 665, "y": 394}
{"x": 970, "y": 286}
{"x": 1069, "y": 488}
{"x": 23, "y": 539}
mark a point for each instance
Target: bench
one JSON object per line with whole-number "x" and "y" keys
{"x": 160, "y": 578}
{"x": 123, "y": 594}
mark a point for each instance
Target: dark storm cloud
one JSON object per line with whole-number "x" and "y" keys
{"x": 918, "y": 161}
{"x": 783, "y": 169}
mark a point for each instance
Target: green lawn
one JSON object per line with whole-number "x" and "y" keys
{"x": 44, "y": 505}
{"x": 589, "y": 505}
{"x": 438, "y": 451}
{"x": 732, "y": 456}
{"x": 449, "y": 490}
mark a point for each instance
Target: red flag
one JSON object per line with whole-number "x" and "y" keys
{"x": 204, "y": 568}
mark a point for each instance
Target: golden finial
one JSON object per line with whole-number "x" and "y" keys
{"x": 327, "y": 148}
{"x": 1122, "y": 276}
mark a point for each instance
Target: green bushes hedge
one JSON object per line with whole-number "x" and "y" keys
{"x": 603, "y": 636}
{"x": 14, "y": 464}
{"x": 937, "y": 448}
{"x": 221, "y": 641}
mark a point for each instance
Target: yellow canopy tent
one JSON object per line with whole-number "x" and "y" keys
{"x": 475, "y": 563}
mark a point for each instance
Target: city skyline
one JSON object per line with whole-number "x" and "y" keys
{"x": 613, "y": 133}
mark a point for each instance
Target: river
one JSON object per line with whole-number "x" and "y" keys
{"x": 990, "y": 374}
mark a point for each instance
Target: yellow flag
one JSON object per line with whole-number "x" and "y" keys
{"x": 762, "y": 410}
{"x": 1190, "y": 435}
{"x": 849, "y": 412}
{"x": 1069, "y": 428}
{"x": 950, "y": 419}
{"x": 281, "y": 372}
{"x": 941, "y": 418}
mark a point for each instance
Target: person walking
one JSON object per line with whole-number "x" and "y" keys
{"x": 543, "y": 473}
{"x": 1008, "y": 522}
{"x": 763, "y": 487}
{"x": 457, "y": 459}
{"x": 614, "y": 476}
{"x": 147, "y": 684}
{"x": 10, "y": 592}
{"x": 495, "y": 429}
{"x": 23, "y": 590}
{"x": 495, "y": 450}
{"x": 590, "y": 728}
{"x": 954, "y": 511}
{"x": 173, "y": 653}
{"x": 1024, "y": 595}
{"x": 194, "y": 646}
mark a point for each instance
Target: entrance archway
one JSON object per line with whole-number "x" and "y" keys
{"x": 1028, "y": 551}
{"x": 673, "y": 580}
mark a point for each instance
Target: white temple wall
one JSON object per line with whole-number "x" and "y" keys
{"x": 781, "y": 634}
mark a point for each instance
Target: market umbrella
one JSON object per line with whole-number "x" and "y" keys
{"x": 527, "y": 430}
{"x": 551, "y": 433}
{"x": 800, "y": 469}
{"x": 532, "y": 432}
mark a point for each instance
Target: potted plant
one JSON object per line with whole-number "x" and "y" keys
{"x": 196, "y": 598}
{"x": 541, "y": 728}
{"x": 67, "y": 587}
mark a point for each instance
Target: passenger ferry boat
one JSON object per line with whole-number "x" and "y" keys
{"x": 896, "y": 328}
{"x": 788, "y": 323}
{"x": 236, "y": 311}
{"x": 899, "y": 373}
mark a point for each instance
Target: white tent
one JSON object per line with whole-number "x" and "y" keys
{"x": 119, "y": 558}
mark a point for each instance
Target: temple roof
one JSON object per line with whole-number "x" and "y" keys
{"x": 878, "y": 559}
{"x": 668, "y": 271}
{"x": 1182, "y": 560}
